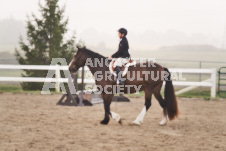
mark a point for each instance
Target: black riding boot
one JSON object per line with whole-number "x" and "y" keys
{"x": 119, "y": 75}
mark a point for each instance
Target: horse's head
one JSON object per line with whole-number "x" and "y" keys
{"x": 78, "y": 60}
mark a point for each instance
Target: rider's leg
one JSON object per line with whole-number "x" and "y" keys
{"x": 119, "y": 63}
{"x": 119, "y": 75}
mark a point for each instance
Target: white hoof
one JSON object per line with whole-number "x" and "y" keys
{"x": 163, "y": 122}
{"x": 137, "y": 122}
{"x": 116, "y": 117}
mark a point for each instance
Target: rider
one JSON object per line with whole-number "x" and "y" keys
{"x": 122, "y": 54}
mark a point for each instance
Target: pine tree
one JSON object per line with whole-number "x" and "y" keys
{"x": 45, "y": 38}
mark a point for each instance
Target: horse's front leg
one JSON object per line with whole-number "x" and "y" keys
{"x": 107, "y": 102}
{"x": 116, "y": 117}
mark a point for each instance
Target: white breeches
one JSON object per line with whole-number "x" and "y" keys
{"x": 121, "y": 62}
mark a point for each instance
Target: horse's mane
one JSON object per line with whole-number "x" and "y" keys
{"x": 92, "y": 53}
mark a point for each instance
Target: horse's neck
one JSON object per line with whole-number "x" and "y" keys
{"x": 97, "y": 67}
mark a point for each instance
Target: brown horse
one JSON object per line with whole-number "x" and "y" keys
{"x": 147, "y": 83}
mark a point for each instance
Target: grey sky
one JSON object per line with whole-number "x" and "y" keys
{"x": 138, "y": 16}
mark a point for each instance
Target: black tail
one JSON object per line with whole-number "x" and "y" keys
{"x": 172, "y": 107}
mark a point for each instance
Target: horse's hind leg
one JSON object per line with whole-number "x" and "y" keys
{"x": 140, "y": 117}
{"x": 163, "y": 104}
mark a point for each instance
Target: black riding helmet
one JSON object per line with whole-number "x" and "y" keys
{"x": 123, "y": 31}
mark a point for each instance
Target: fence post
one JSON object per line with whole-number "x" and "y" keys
{"x": 200, "y": 75}
{"x": 57, "y": 73}
{"x": 213, "y": 82}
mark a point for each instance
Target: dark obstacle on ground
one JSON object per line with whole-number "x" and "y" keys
{"x": 69, "y": 99}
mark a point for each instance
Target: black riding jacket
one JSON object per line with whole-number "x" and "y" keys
{"x": 123, "y": 50}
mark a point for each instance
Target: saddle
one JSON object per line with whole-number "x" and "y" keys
{"x": 124, "y": 68}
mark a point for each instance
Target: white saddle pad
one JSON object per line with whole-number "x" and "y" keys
{"x": 126, "y": 67}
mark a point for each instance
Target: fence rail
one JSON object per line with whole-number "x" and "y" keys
{"x": 58, "y": 79}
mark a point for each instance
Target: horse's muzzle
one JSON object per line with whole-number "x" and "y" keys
{"x": 72, "y": 69}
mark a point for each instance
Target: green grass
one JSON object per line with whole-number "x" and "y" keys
{"x": 10, "y": 88}
{"x": 197, "y": 94}
{"x": 17, "y": 89}
{"x": 11, "y": 73}
{"x": 141, "y": 94}
{"x": 223, "y": 94}
{"x": 203, "y": 93}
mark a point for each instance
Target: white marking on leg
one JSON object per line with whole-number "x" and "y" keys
{"x": 70, "y": 64}
{"x": 115, "y": 116}
{"x": 140, "y": 117}
{"x": 164, "y": 120}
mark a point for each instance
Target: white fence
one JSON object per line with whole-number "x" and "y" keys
{"x": 207, "y": 83}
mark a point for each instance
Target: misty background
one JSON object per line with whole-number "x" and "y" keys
{"x": 175, "y": 29}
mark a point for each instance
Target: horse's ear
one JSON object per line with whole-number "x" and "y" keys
{"x": 78, "y": 47}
